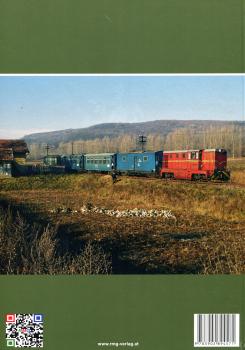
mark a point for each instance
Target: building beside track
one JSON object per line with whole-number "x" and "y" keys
{"x": 12, "y": 152}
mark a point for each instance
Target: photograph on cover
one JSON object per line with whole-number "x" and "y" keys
{"x": 122, "y": 174}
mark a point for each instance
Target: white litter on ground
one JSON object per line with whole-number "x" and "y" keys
{"x": 142, "y": 213}
{"x": 136, "y": 212}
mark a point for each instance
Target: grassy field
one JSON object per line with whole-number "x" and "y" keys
{"x": 205, "y": 233}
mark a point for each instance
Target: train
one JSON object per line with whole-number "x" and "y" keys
{"x": 196, "y": 164}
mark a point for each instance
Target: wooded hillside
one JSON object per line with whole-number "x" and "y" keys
{"x": 167, "y": 135}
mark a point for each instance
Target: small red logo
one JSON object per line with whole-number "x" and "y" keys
{"x": 10, "y": 318}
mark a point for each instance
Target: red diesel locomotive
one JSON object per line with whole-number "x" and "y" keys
{"x": 204, "y": 164}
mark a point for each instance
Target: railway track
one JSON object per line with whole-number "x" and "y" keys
{"x": 198, "y": 183}
{"x": 229, "y": 183}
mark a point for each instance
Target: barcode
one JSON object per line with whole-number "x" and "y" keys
{"x": 216, "y": 330}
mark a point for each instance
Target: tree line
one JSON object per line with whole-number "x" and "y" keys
{"x": 231, "y": 137}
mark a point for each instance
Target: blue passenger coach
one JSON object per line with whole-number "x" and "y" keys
{"x": 140, "y": 163}
{"x": 73, "y": 163}
{"x": 101, "y": 162}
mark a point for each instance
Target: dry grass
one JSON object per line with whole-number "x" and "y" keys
{"x": 221, "y": 201}
{"x": 29, "y": 248}
{"x": 237, "y": 167}
{"x": 208, "y": 236}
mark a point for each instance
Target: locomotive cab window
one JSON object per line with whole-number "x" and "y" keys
{"x": 124, "y": 158}
{"x": 145, "y": 158}
{"x": 193, "y": 155}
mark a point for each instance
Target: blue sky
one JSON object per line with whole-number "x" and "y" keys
{"x": 45, "y": 103}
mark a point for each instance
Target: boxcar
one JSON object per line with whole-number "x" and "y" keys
{"x": 101, "y": 162}
{"x": 73, "y": 163}
{"x": 208, "y": 164}
{"x": 140, "y": 163}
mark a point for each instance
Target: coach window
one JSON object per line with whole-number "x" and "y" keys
{"x": 145, "y": 158}
{"x": 189, "y": 156}
{"x": 197, "y": 155}
{"x": 124, "y": 158}
{"x": 170, "y": 156}
{"x": 104, "y": 161}
{"x": 183, "y": 155}
{"x": 177, "y": 155}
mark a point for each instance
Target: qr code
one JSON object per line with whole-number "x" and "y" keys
{"x": 24, "y": 330}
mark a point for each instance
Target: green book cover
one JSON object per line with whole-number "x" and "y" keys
{"x": 122, "y": 174}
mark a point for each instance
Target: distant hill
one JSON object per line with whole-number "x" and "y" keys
{"x": 162, "y": 127}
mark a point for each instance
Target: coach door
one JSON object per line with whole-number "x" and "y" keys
{"x": 200, "y": 160}
{"x": 135, "y": 163}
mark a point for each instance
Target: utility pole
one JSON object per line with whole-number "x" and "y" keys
{"x": 142, "y": 140}
{"x": 47, "y": 149}
{"x": 72, "y": 150}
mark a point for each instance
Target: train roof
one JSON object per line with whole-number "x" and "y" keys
{"x": 183, "y": 150}
{"x": 73, "y": 155}
{"x": 215, "y": 149}
{"x": 197, "y": 150}
{"x": 139, "y": 152}
{"x": 99, "y": 154}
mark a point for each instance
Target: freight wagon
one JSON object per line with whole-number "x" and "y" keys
{"x": 144, "y": 163}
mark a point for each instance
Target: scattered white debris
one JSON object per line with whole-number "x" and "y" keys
{"x": 142, "y": 213}
{"x": 129, "y": 212}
